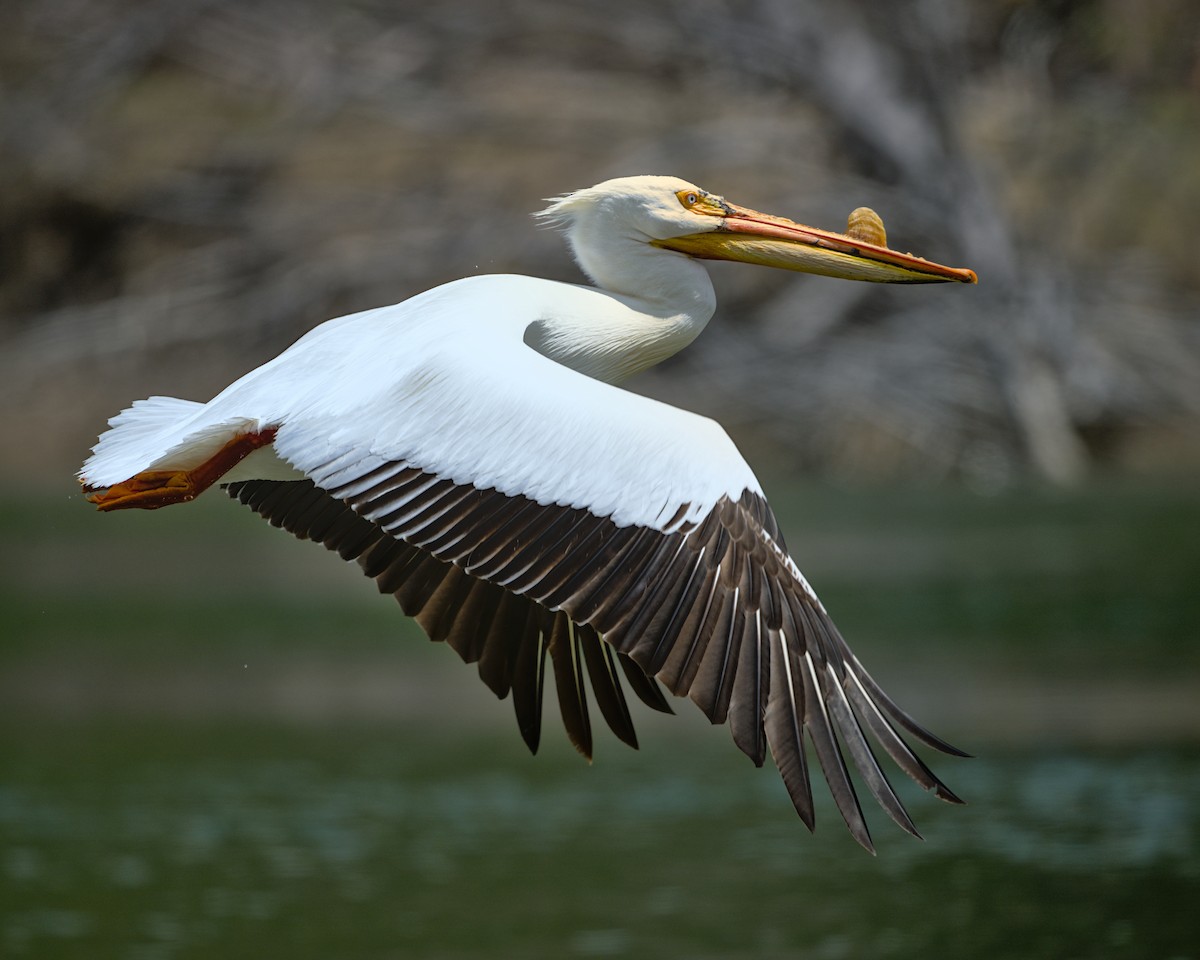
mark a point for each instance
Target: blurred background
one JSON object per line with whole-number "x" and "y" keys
{"x": 217, "y": 741}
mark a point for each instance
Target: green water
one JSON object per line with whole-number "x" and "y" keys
{"x": 202, "y": 841}
{"x": 216, "y": 742}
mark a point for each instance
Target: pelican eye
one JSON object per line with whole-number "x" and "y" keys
{"x": 689, "y": 198}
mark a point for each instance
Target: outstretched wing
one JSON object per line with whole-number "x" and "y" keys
{"x": 523, "y": 523}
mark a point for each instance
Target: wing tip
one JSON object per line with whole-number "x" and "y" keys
{"x": 943, "y": 792}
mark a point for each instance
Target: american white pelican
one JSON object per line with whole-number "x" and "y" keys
{"x": 468, "y": 448}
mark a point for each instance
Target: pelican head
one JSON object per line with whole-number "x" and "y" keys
{"x": 667, "y": 213}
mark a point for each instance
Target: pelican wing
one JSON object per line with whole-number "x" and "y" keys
{"x": 524, "y": 526}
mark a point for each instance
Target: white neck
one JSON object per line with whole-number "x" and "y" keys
{"x": 651, "y": 303}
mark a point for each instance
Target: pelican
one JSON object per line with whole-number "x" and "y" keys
{"x": 470, "y": 449}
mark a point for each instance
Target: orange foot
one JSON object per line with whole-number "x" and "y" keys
{"x": 149, "y": 490}
{"x": 152, "y": 489}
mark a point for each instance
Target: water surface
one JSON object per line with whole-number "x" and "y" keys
{"x": 197, "y": 840}
{"x": 218, "y": 742}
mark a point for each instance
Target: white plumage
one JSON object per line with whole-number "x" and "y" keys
{"x": 469, "y": 449}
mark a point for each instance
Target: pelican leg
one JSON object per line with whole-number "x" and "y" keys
{"x": 152, "y": 489}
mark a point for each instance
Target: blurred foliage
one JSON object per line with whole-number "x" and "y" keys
{"x": 191, "y": 185}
